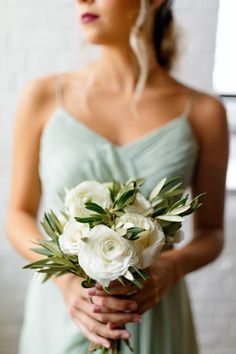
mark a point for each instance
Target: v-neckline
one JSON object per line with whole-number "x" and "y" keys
{"x": 143, "y": 138}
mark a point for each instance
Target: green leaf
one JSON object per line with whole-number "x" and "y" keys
{"x": 159, "y": 211}
{"x": 157, "y": 202}
{"x": 107, "y": 289}
{"x": 121, "y": 281}
{"x": 148, "y": 212}
{"x": 114, "y": 189}
{"x": 51, "y": 246}
{"x": 54, "y": 268}
{"x": 141, "y": 273}
{"x": 95, "y": 207}
{"x": 62, "y": 260}
{"x": 172, "y": 228}
{"x": 127, "y": 193}
{"x": 56, "y": 223}
{"x": 179, "y": 210}
{"x": 175, "y": 187}
{"x": 138, "y": 284}
{"x": 157, "y": 189}
{"x": 48, "y": 220}
{"x": 180, "y": 202}
{"x": 89, "y": 219}
{"x": 173, "y": 193}
{"x": 88, "y": 283}
{"x": 47, "y": 276}
{"x": 135, "y": 230}
{"x": 42, "y": 251}
{"x": 173, "y": 218}
{"x": 40, "y": 263}
{"x": 46, "y": 226}
{"x": 123, "y": 200}
{"x": 170, "y": 181}
{"x": 118, "y": 213}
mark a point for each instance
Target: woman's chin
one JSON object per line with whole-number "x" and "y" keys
{"x": 96, "y": 38}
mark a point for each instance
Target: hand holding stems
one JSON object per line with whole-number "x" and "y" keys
{"x": 162, "y": 276}
{"x": 92, "y": 318}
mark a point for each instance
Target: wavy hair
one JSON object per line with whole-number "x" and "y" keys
{"x": 164, "y": 41}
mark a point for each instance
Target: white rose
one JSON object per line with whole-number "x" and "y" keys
{"x": 106, "y": 255}
{"x": 140, "y": 205}
{"x": 73, "y": 233}
{"x": 87, "y": 190}
{"x": 150, "y": 241}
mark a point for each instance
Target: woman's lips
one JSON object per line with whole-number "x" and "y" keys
{"x": 88, "y": 18}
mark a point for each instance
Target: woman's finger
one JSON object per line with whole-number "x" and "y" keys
{"x": 106, "y": 316}
{"x": 115, "y": 290}
{"x": 100, "y": 328}
{"x": 93, "y": 337}
{"x": 115, "y": 304}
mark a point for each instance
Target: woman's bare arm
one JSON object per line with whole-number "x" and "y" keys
{"x": 211, "y": 129}
{"x": 25, "y": 192}
{"x": 25, "y": 183}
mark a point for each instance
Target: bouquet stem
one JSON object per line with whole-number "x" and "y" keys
{"x": 114, "y": 349}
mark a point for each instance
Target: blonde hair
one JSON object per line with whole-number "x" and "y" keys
{"x": 138, "y": 43}
{"x": 163, "y": 40}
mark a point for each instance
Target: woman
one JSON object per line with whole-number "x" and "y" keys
{"x": 79, "y": 134}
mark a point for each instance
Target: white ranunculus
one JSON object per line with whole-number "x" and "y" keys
{"x": 106, "y": 255}
{"x": 73, "y": 234}
{"x": 86, "y": 191}
{"x": 150, "y": 241}
{"x": 140, "y": 205}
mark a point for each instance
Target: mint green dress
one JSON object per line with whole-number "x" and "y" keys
{"x": 71, "y": 152}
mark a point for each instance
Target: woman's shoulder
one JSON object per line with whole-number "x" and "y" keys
{"x": 208, "y": 118}
{"x": 35, "y": 95}
{"x": 209, "y": 107}
{"x": 208, "y": 112}
{"x": 41, "y": 90}
{"x": 37, "y": 99}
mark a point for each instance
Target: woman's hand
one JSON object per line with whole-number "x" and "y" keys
{"x": 92, "y": 318}
{"x": 162, "y": 276}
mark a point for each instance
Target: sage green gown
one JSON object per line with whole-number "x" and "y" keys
{"x": 71, "y": 152}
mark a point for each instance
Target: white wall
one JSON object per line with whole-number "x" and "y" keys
{"x": 41, "y": 37}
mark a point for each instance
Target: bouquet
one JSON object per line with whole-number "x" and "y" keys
{"x": 111, "y": 231}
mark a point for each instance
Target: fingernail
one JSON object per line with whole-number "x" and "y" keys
{"x": 107, "y": 345}
{"x": 132, "y": 306}
{"x": 92, "y": 291}
{"x": 125, "y": 335}
{"x": 97, "y": 308}
{"x": 137, "y": 319}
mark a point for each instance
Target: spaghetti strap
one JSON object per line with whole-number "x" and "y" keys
{"x": 190, "y": 102}
{"x": 59, "y": 90}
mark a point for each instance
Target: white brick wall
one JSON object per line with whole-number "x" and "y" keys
{"x": 38, "y": 37}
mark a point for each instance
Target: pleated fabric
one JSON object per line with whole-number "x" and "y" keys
{"x": 71, "y": 152}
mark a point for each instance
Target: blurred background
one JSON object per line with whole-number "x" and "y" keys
{"x": 41, "y": 37}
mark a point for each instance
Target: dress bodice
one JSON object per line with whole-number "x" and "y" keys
{"x": 71, "y": 152}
